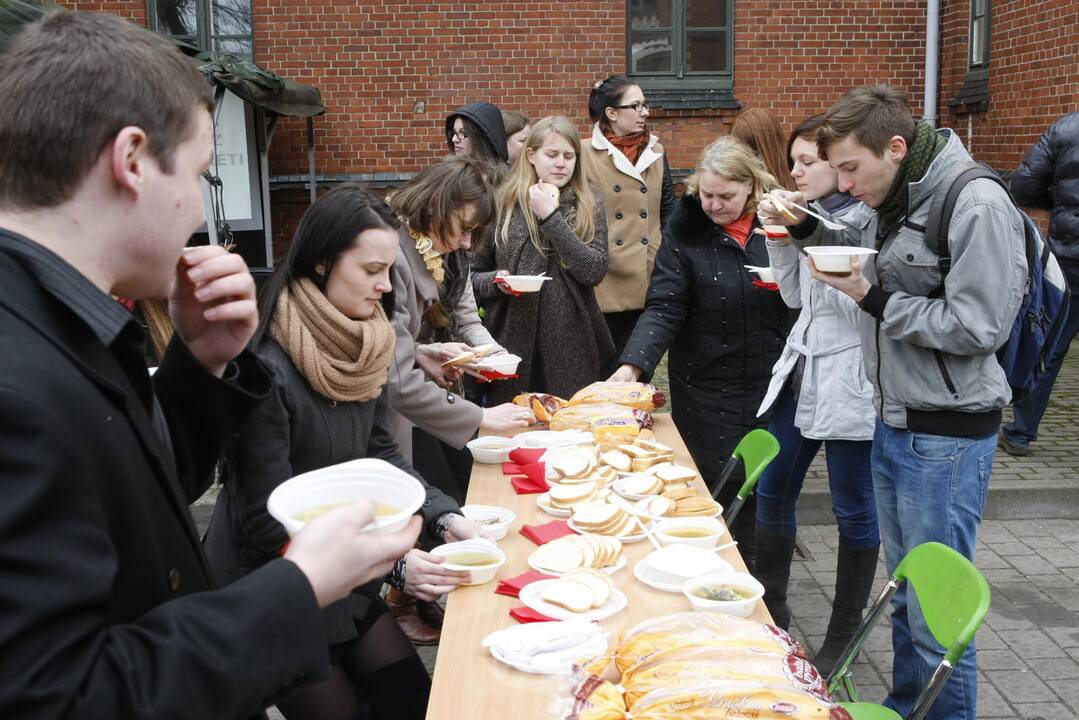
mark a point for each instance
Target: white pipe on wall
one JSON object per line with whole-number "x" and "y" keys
{"x": 932, "y": 56}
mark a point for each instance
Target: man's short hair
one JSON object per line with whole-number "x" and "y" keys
{"x": 874, "y": 115}
{"x": 69, "y": 84}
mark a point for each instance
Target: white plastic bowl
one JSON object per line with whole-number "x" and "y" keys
{"x": 737, "y": 608}
{"x": 493, "y": 520}
{"x": 480, "y": 575}
{"x": 765, "y": 273}
{"x": 364, "y": 479}
{"x": 492, "y": 449}
{"x": 836, "y": 258}
{"x": 678, "y": 563}
{"x": 525, "y": 283}
{"x": 714, "y": 526}
{"x": 505, "y": 363}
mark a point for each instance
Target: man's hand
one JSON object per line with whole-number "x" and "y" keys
{"x": 212, "y": 305}
{"x": 426, "y": 579}
{"x": 769, "y": 213}
{"x": 855, "y": 285}
{"x": 336, "y": 555}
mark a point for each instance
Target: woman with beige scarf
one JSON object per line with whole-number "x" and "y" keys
{"x": 325, "y": 334}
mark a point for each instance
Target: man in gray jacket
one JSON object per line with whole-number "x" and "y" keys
{"x": 938, "y": 388}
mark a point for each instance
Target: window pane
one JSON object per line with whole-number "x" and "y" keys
{"x": 977, "y": 44}
{"x": 706, "y": 51}
{"x": 239, "y": 48}
{"x": 177, "y": 17}
{"x": 231, "y": 17}
{"x": 646, "y": 14}
{"x": 706, "y": 13}
{"x": 651, "y": 53}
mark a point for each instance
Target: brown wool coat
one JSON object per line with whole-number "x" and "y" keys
{"x": 561, "y": 326}
{"x": 635, "y": 202}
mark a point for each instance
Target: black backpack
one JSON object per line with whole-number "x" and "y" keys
{"x": 1045, "y": 299}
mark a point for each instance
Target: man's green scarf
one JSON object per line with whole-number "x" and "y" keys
{"x": 925, "y": 146}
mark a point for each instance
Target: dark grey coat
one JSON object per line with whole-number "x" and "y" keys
{"x": 293, "y": 431}
{"x": 561, "y": 326}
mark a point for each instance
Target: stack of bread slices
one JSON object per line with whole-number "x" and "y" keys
{"x": 579, "y": 590}
{"x": 571, "y": 552}
{"x": 564, "y": 496}
{"x": 605, "y": 519}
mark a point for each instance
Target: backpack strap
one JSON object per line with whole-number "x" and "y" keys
{"x": 940, "y": 216}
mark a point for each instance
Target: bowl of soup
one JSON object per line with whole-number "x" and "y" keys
{"x": 493, "y": 520}
{"x": 491, "y": 448}
{"x": 479, "y": 557}
{"x": 835, "y": 259}
{"x": 733, "y": 593}
{"x": 396, "y": 494}
{"x": 703, "y": 532}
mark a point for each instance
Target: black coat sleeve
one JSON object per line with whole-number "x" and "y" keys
{"x": 218, "y": 654}
{"x": 203, "y": 410}
{"x": 665, "y": 308}
{"x": 667, "y": 199}
{"x": 1031, "y": 182}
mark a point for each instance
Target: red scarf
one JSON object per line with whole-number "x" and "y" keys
{"x": 740, "y": 229}
{"x": 630, "y": 145}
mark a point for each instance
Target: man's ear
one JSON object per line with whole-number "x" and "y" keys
{"x": 897, "y": 149}
{"x": 128, "y": 158}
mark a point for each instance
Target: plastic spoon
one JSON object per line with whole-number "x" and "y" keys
{"x": 830, "y": 224}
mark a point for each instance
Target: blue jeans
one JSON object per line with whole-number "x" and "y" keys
{"x": 849, "y": 477}
{"x": 929, "y": 488}
{"x": 1023, "y": 429}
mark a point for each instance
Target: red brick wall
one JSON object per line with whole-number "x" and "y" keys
{"x": 1033, "y": 56}
{"x": 134, "y": 10}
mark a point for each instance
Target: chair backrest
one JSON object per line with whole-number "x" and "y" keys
{"x": 953, "y": 594}
{"x": 758, "y": 448}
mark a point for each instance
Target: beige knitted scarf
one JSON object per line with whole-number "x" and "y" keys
{"x": 343, "y": 359}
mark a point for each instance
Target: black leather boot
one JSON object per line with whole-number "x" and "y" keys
{"x": 853, "y": 583}
{"x": 773, "y": 570}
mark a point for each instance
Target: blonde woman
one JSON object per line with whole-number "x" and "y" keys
{"x": 559, "y": 331}
{"x": 723, "y": 327}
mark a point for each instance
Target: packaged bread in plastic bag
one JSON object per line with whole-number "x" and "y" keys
{"x": 712, "y": 629}
{"x": 594, "y": 698}
{"x": 695, "y": 664}
{"x": 641, "y": 396}
{"x": 733, "y": 700}
{"x": 542, "y": 405}
{"x": 592, "y": 417}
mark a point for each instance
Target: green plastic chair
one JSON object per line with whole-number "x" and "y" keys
{"x": 954, "y": 597}
{"x": 755, "y": 450}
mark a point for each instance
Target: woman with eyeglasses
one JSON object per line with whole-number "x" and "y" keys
{"x": 631, "y": 169}
{"x": 476, "y": 130}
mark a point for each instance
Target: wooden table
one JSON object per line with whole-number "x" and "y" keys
{"x": 468, "y": 682}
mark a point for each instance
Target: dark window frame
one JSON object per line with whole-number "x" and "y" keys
{"x": 204, "y": 38}
{"x": 681, "y": 79}
{"x": 984, "y": 32}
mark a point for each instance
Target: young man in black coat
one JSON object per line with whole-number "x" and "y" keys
{"x": 108, "y": 602}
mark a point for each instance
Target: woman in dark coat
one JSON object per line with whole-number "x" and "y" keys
{"x": 559, "y": 331}
{"x": 723, "y": 327}
{"x": 325, "y": 335}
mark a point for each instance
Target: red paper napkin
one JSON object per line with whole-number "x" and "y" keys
{"x": 536, "y": 472}
{"x": 528, "y": 486}
{"x": 528, "y": 615}
{"x": 512, "y": 586}
{"x": 545, "y": 533}
{"x": 511, "y": 469}
{"x": 766, "y": 286}
{"x": 495, "y": 375}
{"x": 502, "y": 281}
{"x": 526, "y": 456}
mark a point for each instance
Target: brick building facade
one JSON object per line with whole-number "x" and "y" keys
{"x": 390, "y": 71}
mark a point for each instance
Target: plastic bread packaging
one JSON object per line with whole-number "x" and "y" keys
{"x": 701, "y": 664}
{"x": 594, "y": 698}
{"x": 583, "y": 417}
{"x": 712, "y": 629}
{"x": 641, "y": 396}
{"x": 733, "y": 700}
{"x": 542, "y": 405}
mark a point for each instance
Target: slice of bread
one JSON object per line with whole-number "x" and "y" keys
{"x": 634, "y": 451}
{"x": 656, "y": 447}
{"x": 596, "y": 581}
{"x": 595, "y": 515}
{"x": 588, "y": 551}
{"x": 566, "y": 495}
{"x": 676, "y": 473}
{"x": 654, "y": 470}
{"x": 571, "y": 465}
{"x": 557, "y": 556}
{"x": 642, "y": 464}
{"x": 571, "y": 595}
{"x": 660, "y": 505}
{"x": 616, "y": 459}
{"x": 642, "y": 485}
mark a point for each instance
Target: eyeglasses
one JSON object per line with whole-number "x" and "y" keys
{"x": 639, "y": 106}
{"x": 457, "y": 135}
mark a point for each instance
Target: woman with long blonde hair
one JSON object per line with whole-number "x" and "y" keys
{"x": 723, "y": 326}
{"x": 549, "y": 220}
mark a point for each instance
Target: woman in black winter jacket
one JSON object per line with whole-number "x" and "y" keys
{"x": 477, "y": 131}
{"x": 724, "y": 328}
